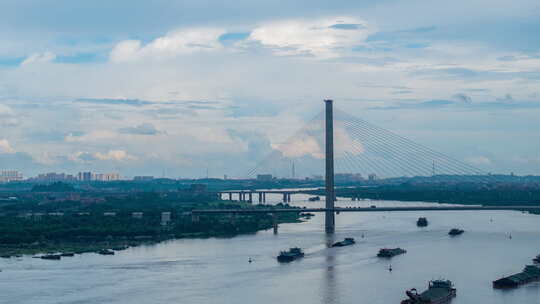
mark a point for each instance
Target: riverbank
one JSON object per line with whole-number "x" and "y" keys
{"x": 219, "y": 226}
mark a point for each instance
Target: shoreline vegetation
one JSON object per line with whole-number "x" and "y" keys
{"x": 35, "y": 228}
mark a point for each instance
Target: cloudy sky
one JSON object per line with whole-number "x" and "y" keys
{"x": 178, "y": 86}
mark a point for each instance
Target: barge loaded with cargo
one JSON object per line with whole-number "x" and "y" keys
{"x": 438, "y": 292}
{"x": 291, "y": 255}
{"x": 529, "y": 274}
{"x": 390, "y": 252}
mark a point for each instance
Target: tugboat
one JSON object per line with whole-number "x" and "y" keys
{"x": 51, "y": 257}
{"x": 390, "y": 252}
{"x": 291, "y": 255}
{"x": 345, "y": 242}
{"x": 314, "y": 198}
{"x": 105, "y": 252}
{"x": 422, "y": 222}
{"x": 438, "y": 292}
{"x": 455, "y": 231}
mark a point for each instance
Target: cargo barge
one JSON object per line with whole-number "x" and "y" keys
{"x": 529, "y": 274}
{"x": 438, "y": 292}
{"x": 291, "y": 255}
{"x": 390, "y": 252}
{"x": 346, "y": 242}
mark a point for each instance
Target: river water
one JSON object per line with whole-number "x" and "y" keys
{"x": 216, "y": 270}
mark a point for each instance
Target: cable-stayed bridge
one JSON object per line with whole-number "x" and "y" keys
{"x": 335, "y": 142}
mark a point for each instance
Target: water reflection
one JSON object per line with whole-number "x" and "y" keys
{"x": 329, "y": 283}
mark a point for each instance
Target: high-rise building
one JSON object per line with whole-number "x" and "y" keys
{"x": 54, "y": 177}
{"x": 84, "y": 176}
{"x": 10, "y": 176}
{"x": 106, "y": 177}
{"x": 372, "y": 177}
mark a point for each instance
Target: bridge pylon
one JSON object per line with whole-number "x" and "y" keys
{"x": 330, "y": 221}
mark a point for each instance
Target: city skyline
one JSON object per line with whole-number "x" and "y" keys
{"x": 201, "y": 89}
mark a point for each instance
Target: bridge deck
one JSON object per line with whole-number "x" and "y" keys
{"x": 363, "y": 209}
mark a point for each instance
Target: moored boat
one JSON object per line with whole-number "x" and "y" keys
{"x": 314, "y": 198}
{"x": 345, "y": 242}
{"x": 67, "y": 254}
{"x": 106, "y": 252}
{"x": 438, "y": 292}
{"x": 290, "y": 255}
{"x": 51, "y": 257}
{"x": 390, "y": 252}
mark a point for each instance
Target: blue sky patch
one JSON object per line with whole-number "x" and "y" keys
{"x": 230, "y": 38}
{"x": 81, "y": 58}
{"x": 11, "y": 61}
{"x": 347, "y": 26}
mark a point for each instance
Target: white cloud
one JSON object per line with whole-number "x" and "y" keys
{"x": 94, "y": 136}
{"x": 478, "y": 160}
{"x": 114, "y": 155}
{"x": 345, "y": 144}
{"x": 301, "y": 146}
{"x": 111, "y": 155}
{"x": 7, "y": 116}
{"x": 5, "y": 147}
{"x": 39, "y": 57}
{"x": 325, "y": 37}
{"x": 174, "y": 43}
{"x": 309, "y": 145}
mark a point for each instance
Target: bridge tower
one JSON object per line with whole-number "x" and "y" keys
{"x": 330, "y": 221}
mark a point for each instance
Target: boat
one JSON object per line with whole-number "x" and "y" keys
{"x": 291, "y": 255}
{"x": 422, "y": 222}
{"x": 529, "y": 274}
{"x": 51, "y": 257}
{"x": 390, "y": 252}
{"x": 438, "y": 292}
{"x": 106, "y": 252}
{"x": 314, "y": 198}
{"x": 536, "y": 260}
{"x": 345, "y": 242}
{"x": 455, "y": 231}
{"x": 120, "y": 248}
{"x": 67, "y": 254}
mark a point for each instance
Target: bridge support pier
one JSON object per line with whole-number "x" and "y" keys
{"x": 264, "y": 197}
{"x": 275, "y": 222}
{"x": 250, "y": 197}
{"x": 230, "y": 196}
{"x": 284, "y": 197}
{"x": 260, "y": 197}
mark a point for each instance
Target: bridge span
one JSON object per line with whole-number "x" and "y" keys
{"x": 362, "y": 209}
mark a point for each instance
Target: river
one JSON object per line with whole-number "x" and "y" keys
{"x": 216, "y": 270}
